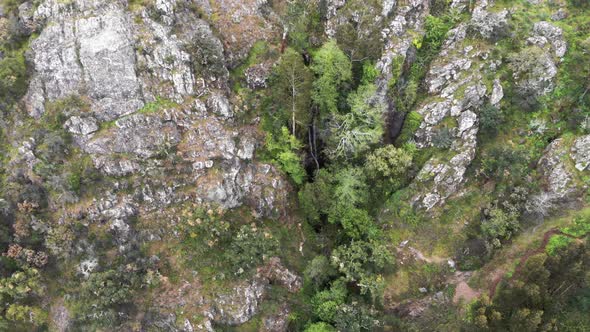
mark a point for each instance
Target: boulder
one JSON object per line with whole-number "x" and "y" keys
{"x": 257, "y": 75}
{"x": 559, "y": 186}
{"x": 544, "y": 33}
{"x": 580, "y": 152}
{"x": 497, "y": 93}
{"x": 240, "y": 305}
{"x": 560, "y": 14}
{"x": 83, "y": 126}
{"x": 278, "y": 322}
{"x": 26, "y": 21}
{"x": 489, "y": 25}
{"x": 274, "y": 271}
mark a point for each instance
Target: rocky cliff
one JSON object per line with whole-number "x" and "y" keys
{"x": 142, "y": 188}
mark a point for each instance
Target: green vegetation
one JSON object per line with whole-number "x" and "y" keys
{"x": 557, "y": 242}
{"x": 535, "y": 299}
{"x": 580, "y": 227}
{"x": 212, "y": 243}
{"x": 351, "y": 220}
{"x": 292, "y": 86}
{"x": 406, "y": 93}
{"x": 17, "y": 291}
{"x": 333, "y": 70}
{"x": 353, "y": 133}
{"x": 284, "y": 150}
{"x": 158, "y": 105}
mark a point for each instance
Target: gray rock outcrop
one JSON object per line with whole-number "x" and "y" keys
{"x": 580, "y": 152}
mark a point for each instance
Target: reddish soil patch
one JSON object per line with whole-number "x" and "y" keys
{"x": 465, "y": 293}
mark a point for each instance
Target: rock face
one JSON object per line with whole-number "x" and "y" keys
{"x": 85, "y": 47}
{"x": 238, "y": 307}
{"x": 278, "y": 322}
{"x": 98, "y": 50}
{"x": 398, "y": 34}
{"x": 242, "y": 303}
{"x": 60, "y": 317}
{"x": 547, "y": 33}
{"x": 457, "y": 91}
{"x": 455, "y": 84}
{"x": 559, "y": 179}
{"x": 561, "y": 186}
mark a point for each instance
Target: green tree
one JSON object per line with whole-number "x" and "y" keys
{"x": 499, "y": 225}
{"x": 360, "y": 33}
{"x": 21, "y": 285}
{"x": 352, "y": 133}
{"x": 291, "y": 84}
{"x": 103, "y": 294}
{"x": 490, "y": 119}
{"x": 320, "y": 327}
{"x": 326, "y": 303}
{"x": 304, "y": 24}
{"x": 357, "y": 223}
{"x": 283, "y": 150}
{"x": 388, "y": 165}
{"x": 355, "y": 317}
{"x": 362, "y": 262}
{"x": 332, "y": 68}
{"x": 315, "y": 198}
{"x": 319, "y": 271}
{"x": 350, "y": 188}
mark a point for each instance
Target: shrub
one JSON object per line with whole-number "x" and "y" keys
{"x": 356, "y": 317}
{"x": 204, "y": 229}
{"x": 490, "y": 119}
{"x": 359, "y": 32}
{"x": 411, "y": 124}
{"x": 389, "y": 164}
{"x": 26, "y": 314}
{"x": 360, "y": 262}
{"x": 402, "y": 209}
{"x": 499, "y": 225}
{"x": 13, "y": 77}
{"x": 249, "y": 247}
{"x": 357, "y": 223}
{"x": 579, "y": 3}
{"x": 326, "y": 303}
{"x": 320, "y": 327}
{"x": 504, "y": 162}
{"x": 103, "y": 295}
{"x": 580, "y": 227}
{"x": 443, "y": 138}
{"x": 283, "y": 149}
{"x": 557, "y": 242}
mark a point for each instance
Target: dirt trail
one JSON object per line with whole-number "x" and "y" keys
{"x": 462, "y": 290}
{"x": 498, "y": 275}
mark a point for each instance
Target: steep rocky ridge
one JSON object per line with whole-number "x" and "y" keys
{"x": 152, "y": 102}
